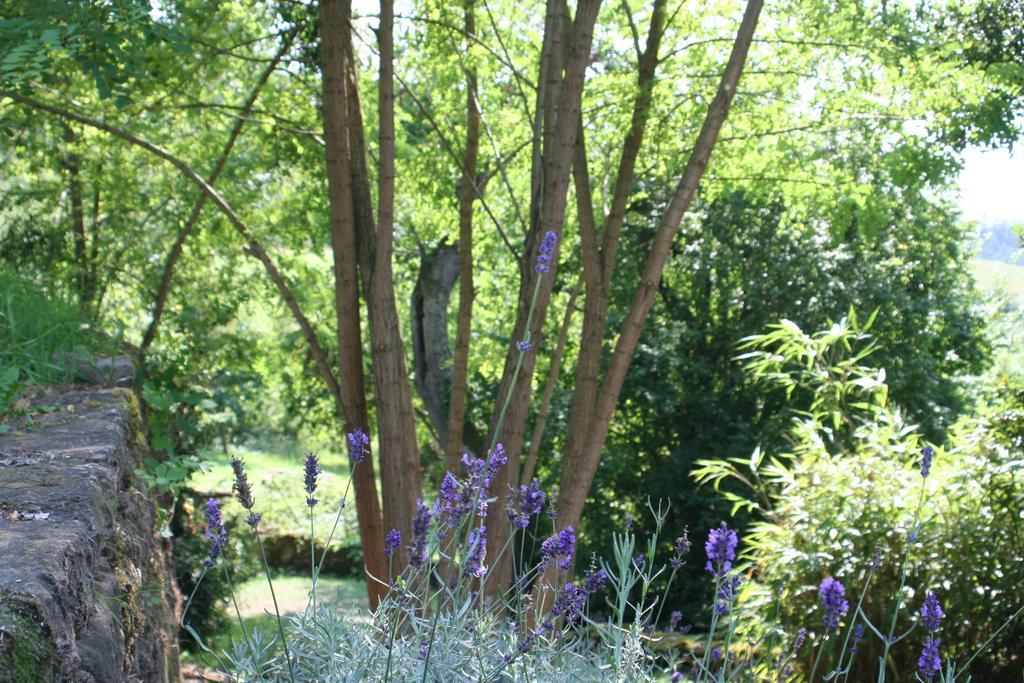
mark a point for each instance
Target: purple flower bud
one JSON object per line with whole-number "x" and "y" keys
{"x": 798, "y": 642}
{"x": 931, "y": 613}
{"x": 477, "y": 550}
{"x": 215, "y": 532}
{"x": 926, "y": 461}
{"x": 569, "y": 603}
{"x": 524, "y": 346}
{"x": 420, "y": 526}
{"x": 680, "y": 550}
{"x": 673, "y": 622}
{"x": 594, "y": 580}
{"x": 929, "y": 663}
{"x": 358, "y": 445}
{"x": 546, "y": 251}
{"x": 858, "y": 635}
{"x": 725, "y": 595}
{"x": 832, "y": 595}
{"x": 392, "y": 541}
{"x": 639, "y": 561}
{"x": 716, "y": 655}
{"x": 313, "y": 470}
{"x": 721, "y": 549}
{"x": 241, "y": 487}
{"x": 527, "y": 504}
{"x": 559, "y": 547}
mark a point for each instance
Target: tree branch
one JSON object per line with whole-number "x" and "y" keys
{"x": 252, "y": 246}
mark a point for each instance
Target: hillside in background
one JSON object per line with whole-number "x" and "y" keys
{"x": 1000, "y": 242}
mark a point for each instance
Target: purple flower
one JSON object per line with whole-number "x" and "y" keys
{"x": 858, "y": 635}
{"x": 358, "y": 445}
{"x": 215, "y": 532}
{"x": 725, "y": 594}
{"x": 524, "y": 346}
{"x": 639, "y": 561}
{"x": 594, "y": 580}
{"x": 926, "y": 461}
{"x": 716, "y": 654}
{"x": 477, "y": 550}
{"x": 243, "y": 492}
{"x": 392, "y": 541}
{"x": 673, "y": 622}
{"x": 546, "y": 251}
{"x": 496, "y": 459}
{"x": 313, "y": 470}
{"x": 931, "y": 613}
{"x": 680, "y": 550}
{"x": 676, "y": 677}
{"x": 798, "y": 642}
{"x": 528, "y": 503}
{"x": 559, "y": 547}
{"x": 569, "y": 603}
{"x": 721, "y": 549}
{"x": 832, "y": 595}
{"x": 420, "y": 526}
{"x": 929, "y": 663}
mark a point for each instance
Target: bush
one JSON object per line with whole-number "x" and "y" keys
{"x": 851, "y": 485}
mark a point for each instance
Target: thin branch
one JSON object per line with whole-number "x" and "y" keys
{"x": 252, "y": 246}
{"x": 449, "y": 148}
{"x": 530, "y": 466}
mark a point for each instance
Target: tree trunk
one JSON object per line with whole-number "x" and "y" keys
{"x": 561, "y": 101}
{"x": 464, "y": 318}
{"x": 73, "y": 164}
{"x": 399, "y": 451}
{"x": 351, "y": 396}
{"x": 598, "y": 249}
{"x": 580, "y": 466}
{"x": 432, "y": 353}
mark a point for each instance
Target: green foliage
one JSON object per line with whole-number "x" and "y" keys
{"x": 44, "y": 38}
{"x": 42, "y": 339}
{"x": 743, "y": 263}
{"x": 833, "y": 498}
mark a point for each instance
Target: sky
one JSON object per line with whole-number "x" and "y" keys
{"x": 992, "y": 186}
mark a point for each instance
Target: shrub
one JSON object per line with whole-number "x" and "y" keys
{"x": 851, "y": 486}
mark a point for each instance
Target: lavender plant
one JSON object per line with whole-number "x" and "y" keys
{"x": 439, "y": 622}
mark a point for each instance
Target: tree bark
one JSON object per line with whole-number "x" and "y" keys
{"x": 559, "y": 115}
{"x": 598, "y": 249}
{"x": 540, "y": 423}
{"x": 351, "y": 398}
{"x": 432, "y": 353}
{"x": 73, "y": 164}
{"x": 464, "y": 318}
{"x": 580, "y": 466}
{"x": 401, "y": 479}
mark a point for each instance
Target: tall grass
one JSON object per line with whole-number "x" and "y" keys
{"x": 42, "y": 337}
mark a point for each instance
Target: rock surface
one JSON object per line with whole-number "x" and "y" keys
{"x": 86, "y": 588}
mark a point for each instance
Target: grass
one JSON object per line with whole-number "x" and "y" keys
{"x": 996, "y": 275}
{"x": 41, "y": 338}
{"x": 275, "y": 472}
{"x": 257, "y": 609}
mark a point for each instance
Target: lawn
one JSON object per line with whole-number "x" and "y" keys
{"x": 276, "y": 475}
{"x": 996, "y": 275}
{"x": 292, "y": 591}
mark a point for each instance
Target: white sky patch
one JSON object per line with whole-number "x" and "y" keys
{"x": 992, "y": 186}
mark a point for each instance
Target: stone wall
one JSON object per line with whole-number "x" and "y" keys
{"x": 86, "y": 584}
